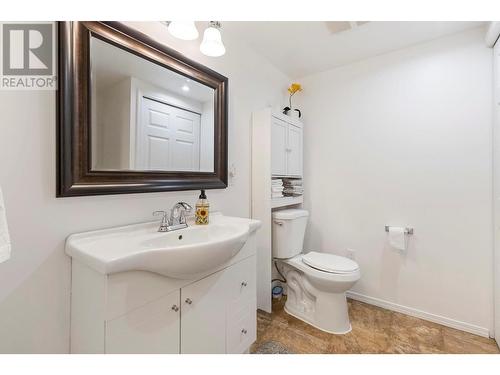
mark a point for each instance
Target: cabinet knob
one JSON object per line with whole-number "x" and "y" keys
{"x": 175, "y": 308}
{"x": 244, "y": 331}
{"x": 189, "y": 301}
{"x": 244, "y": 283}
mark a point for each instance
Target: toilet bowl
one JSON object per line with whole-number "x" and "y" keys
{"x": 316, "y": 282}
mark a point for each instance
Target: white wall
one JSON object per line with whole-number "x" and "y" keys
{"x": 406, "y": 139}
{"x": 35, "y": 283}
{"x": 496, "y": 176}
{"x": 112, "y": 126}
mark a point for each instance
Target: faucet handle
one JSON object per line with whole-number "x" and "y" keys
{"x": 162, "y": 213}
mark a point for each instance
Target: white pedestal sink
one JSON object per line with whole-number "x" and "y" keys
{"x": 181, "y": 254}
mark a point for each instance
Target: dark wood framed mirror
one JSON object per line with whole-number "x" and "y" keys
{"x": 135, "y": 116}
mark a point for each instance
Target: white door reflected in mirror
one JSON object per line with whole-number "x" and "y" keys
{"x": 146, "y": 117}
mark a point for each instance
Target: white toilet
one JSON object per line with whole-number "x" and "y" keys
{"x": 316, "y": 282}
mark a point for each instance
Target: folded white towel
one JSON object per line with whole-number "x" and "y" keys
{"x": 4, "y": 232}
{"x": 288, "y": 182}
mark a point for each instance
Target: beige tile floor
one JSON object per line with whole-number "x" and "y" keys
{"x": 374, "y": 330}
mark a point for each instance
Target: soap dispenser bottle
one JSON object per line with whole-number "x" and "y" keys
{"x": 202, "y": 209}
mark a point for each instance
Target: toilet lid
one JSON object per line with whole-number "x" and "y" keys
{"x": 329, "y": 262}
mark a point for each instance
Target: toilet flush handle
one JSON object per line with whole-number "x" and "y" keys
{"x": 280, "y": 223}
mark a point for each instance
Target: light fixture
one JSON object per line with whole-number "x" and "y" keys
{"x": 185, "y": 30}
{"x": 212, "y": 40}
{"x": 185, "y": 88}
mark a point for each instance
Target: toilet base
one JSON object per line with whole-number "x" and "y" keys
{"x": 305, "y": 320}
{"x": 316, "y": 301}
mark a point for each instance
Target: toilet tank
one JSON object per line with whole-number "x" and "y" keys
{"x": 289, "y": 228}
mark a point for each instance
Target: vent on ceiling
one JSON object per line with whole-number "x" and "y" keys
{"x": 336, "y": 27}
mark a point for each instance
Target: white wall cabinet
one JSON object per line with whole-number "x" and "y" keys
{"x": 277, "y": 142}
{"x": 142, "y": 312}
{"x": 294, "y": 151}
{"x": 286, "y": 148}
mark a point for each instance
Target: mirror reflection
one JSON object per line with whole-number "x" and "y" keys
{"x": 146, "y": 117}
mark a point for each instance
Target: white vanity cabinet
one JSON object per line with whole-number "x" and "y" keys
{"x": 145, "y": 312}
{"x": 224, "y": 302}
{"x": 286, "y": 146}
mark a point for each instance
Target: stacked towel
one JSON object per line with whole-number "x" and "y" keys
{"x": 4, "y": 233}
{"x": 292, "y": 187}
{"x": 277, "y": 188}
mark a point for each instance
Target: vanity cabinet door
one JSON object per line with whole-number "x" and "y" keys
{"x": 294, "y": 151}
{"x": 203, "y": 315}
{"x": 219, "y": 312}
{"x": 278, "y": 147}
{"x": 150, "y": 329}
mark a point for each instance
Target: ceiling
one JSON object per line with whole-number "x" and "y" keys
{"x": 108, "y": 72}
{"x": 303, "y": 48}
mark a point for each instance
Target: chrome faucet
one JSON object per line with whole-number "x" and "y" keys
{"x": 177, "y": 218}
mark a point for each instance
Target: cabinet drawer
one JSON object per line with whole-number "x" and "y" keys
{"x": 242, "y": 334}
{"x": 242, "y": 284}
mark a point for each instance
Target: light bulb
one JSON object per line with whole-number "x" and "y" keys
{"x": 212, "y": 41}
{"x": 185, "y": 30}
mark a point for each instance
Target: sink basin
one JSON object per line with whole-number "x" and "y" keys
{"x": 181, "y": 254}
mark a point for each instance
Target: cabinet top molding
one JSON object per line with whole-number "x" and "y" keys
{"x": 290, "y": 120}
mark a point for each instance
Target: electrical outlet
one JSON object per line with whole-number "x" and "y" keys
{"x": 232, "y": 174}
{"x": 351, "y": 254}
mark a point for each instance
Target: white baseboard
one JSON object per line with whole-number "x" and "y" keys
{"x": 471, "y": 328}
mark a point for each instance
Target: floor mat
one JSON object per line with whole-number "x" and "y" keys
{"x": 272, "y": 347}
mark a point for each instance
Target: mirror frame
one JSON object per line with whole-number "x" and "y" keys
{"x": 75, "y": 176}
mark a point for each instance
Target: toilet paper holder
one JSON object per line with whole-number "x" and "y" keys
{"x": 407, "y": 229}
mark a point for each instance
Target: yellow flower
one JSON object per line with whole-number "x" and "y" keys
{"x": 294, "y": 87}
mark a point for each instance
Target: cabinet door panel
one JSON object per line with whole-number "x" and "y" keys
{"x": 150, "y": 329}
{"x": 214, "y": 307}
{"x": 294, "y": 151}
{"x": 278, "y": 147}
{"x": 203, "y": 329}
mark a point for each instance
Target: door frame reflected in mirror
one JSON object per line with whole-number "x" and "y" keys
{"x": 75, "y": 176}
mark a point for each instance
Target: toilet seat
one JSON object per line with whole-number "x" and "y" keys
{"x": 330, "y": 263}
